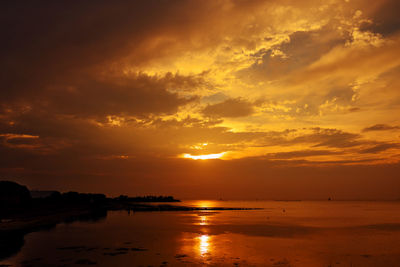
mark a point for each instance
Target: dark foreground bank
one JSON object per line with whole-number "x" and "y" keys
{"x": 20, "y": 213}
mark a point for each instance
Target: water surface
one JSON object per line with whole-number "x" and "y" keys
{"x": 303, "y": 233}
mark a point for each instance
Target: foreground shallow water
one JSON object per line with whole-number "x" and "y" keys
{"x": 329, "y": 233}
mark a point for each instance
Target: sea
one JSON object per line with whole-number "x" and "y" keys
{"x": 278, "y": 233}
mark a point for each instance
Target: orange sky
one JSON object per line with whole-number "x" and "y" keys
{"x": 202, "y": 99}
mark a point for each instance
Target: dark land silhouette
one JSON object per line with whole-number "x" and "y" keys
{"x": 20, "y": 213}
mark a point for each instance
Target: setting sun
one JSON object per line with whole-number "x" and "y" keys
{"x": 203, "y": 157}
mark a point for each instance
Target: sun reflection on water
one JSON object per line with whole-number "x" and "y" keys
{"x": 203, "y": 220}
{"x": 204, "y": 244}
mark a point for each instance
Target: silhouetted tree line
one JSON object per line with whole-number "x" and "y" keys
{"x": 76, "y": 198}
{"x": 15, "y": 198}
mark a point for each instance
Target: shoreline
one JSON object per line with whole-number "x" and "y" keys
{"x": 14, "y": 228}
{"x": 20, "y": 222}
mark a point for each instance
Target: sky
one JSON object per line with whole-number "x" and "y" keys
{"x": 232, "y": 99}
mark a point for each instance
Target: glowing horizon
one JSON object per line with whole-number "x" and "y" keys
{"x": 204, "y": 157}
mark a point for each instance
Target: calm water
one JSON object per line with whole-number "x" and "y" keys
{"x": 282, "y": 234}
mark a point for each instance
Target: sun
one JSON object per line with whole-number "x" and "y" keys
{"x": 203, "y": 157}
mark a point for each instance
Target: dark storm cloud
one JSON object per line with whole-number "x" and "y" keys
{"x": 138, "y": 95}
{"x": 329, "y": 138}
{"x": 314, "y": 137}
{"x": 379, "y": 148}
{"x": 60, "y": 57}
{"x": 385, "y": 19}
{"x": 233, "y": 107}
{"x": 302, "y": 49}
{"x": 44, "y": 42}
{"x": 301, "y": 154}
{"x": 21, "y": 141}
{"x": 380, "y": 127}
{"x": 47, "y": 40}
